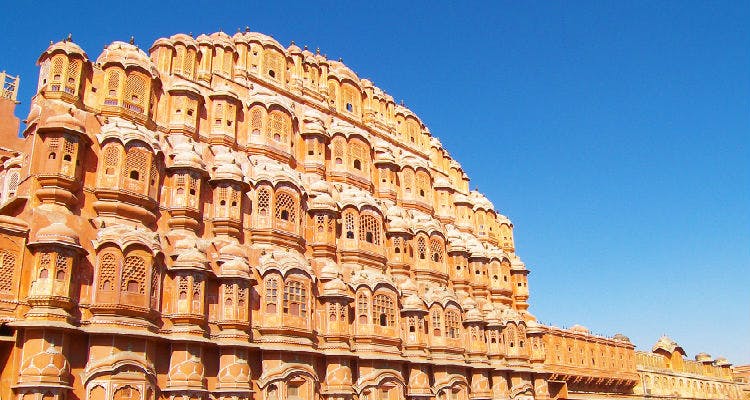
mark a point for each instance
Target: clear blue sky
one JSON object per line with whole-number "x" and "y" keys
{"x": 613, "y": 134}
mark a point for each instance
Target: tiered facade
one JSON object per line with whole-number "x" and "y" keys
{"x": 227, "y": 218}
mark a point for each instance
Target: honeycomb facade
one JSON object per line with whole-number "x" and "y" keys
{"x": 227, "y": 218}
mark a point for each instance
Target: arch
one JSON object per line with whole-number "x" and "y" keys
{"x": 377, "y": 378}
{"x": 285, "y": 371}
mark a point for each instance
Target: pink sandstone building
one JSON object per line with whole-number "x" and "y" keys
{"x": 225, "y": 218}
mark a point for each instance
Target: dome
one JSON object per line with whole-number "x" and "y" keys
{"x": 330, "y": 270}
{"x": 335, "y": 288}
{"x": 704, "y": 358}
{"x": 49, "y": 366}
{"x": 189, "y": 257}
{"x": 34, "y": 114}
{"x": 127, "y": 55}
{"x": 66, "y": 47}
{"x": 621, "y": 338}
{"x": 235, "y": 268}
{"x": 313, "y": 124}
{"x": 63, "y": 121}
{"x": 442, "y": 182}
{"x": 473, "y": 315}
{"x": 722, "y": 362}
{"x": 412, "y": 302}
{"x": 665, "y": 343}
{"x": 579, "y": 329}
{"x": 226, "y": 167}
{"x": 396, "y": 220}
{"x": 408, "y": 286}
{"x": 222, "y": 39}
{"x": 185, "y": 156}
{"x": 293, "y": 48}
{"x": 58, "y": 233}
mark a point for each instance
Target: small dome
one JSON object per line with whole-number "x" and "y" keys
{"x": 236, "y": 267}
{"x": 49, "y": 366}
{"x": 58, "y": 232}
{"x": 222, "y": 39}
{"x": 227, "y": 168}
{"x": 622, "y": 338}
{"x": 335, "y": 288}
{"x": 722, "y": 362}
{"x": 579, "y": 329}
{"x": 232, "y": 250}
{"x": 330, "y": 270}
{"x": 408, "y": 286}
{"x": 66, "y": 47}
{"x": 473, "y": 315}
{"x": 127, "y": 55}
{"x": 412, "y": 302}
{"x": 704, "y": 358}
{"x": 63, "y": 121}
{"x": 293, "y": 49}
{"x": 190, "y": 257}
{"x": 185, "y": 156}
{"x": 313, "y": 124}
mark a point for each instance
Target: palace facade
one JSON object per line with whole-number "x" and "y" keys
{"x": 228, "y": 218}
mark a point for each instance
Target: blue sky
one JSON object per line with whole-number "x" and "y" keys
{"x": 613, "y": 134}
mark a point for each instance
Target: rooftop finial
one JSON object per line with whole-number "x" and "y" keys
{"x": 132, "y": 40}
{"x": 341, "y": 59}
{"x": 402, "y": 103}
{"x": 247, "y": 28}
{"x": 305, "y": 47}
{"x": 292, "y": 44}
{"x": 317, "y": 50}
{"x": 69, "y": 38}
{"x": 238, "y": 30}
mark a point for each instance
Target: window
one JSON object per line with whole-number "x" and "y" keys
{"x": 437, "y": 323}
{"x": 436, "y": 248}
{"x": 363, "y": 308}
{"x": 264, "y": 201}
{"x": 422, "y": 248}
{"x": 349, "y": 225}
{"x": 295, "y": 298}
{"x": 286, "y": 207}
{"x": 108, "y": 267}
{"x": 369, "y": 229}
{"x": 383, "y": 310}
{"x": 452, "y": 324}
{"x": 134, "y": 275}
{"x": 271, "y": 299}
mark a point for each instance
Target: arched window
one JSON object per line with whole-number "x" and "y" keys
{"x": 363, "y": 308}
{"x": 113, "y": 88}
{"x": 369, "y": 229}
{"x": 437, "y": 323}
{"x": 134, "y": 275}
{"x": 135, "y": 93}
{"x": 74, "y": 70}
{"x": 408, "y": 182}
{"x": 383, "y": 311}
{"x": 7, "y": 270}
{"x": 295, "y": 298}
{"x": 422, "y": 248}
{"x": 272, "y": 297}
{"x": 111, "y": 158}
{"x": 452, "y": 324}
{"x": 359, "y": 157}
{"x": 57, "y": 73}
{"x": 264, "y": 201}
{"x": 280, "y": 126}
{"x": 436, "y": 248}
{"x": 137, "y": 164}
{"x": 109, "y": 265}
{"x": 256, "y": 121}
{"x": 349, "y": 225}
{"x": 286, "y": 207}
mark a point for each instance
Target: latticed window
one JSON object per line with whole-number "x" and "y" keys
{"x": 383, "y": 310}
{"x": 273, "y": 63}
{"x": 43, "y": 72}
{"x": 155, "y": 287}
{"x": 369, "y": 229}
{"x": 264, "y": 201}
{"x": 7, "y": 269}
{"x": 67, "y": 166}
{"x": 398, "y": 243}
{"x": 11, "y": 182}
{"x": 74, "y": 70}
{"x": 286, "y": 207}
{"x": 113, "y": 88}
{"x": 53, "y": 146}
{"x": 111, "y": 159}
{"x": 452, "y": 324}
{"x": 363, "y": 308}
{"x": 349, "y": 225}
{"x": 436, "y": 248}
{"x": 58, "y": 63}
{"x": 350, "y": 97}
{"x": 189, "y": 64}
{"x": 45, "y": 263}
{"x": 272, "y": 295}
{"x": 408, "y": 182}
{"x": 179, "y": 59}
{"x": 256, "y": 121}
{"x": 62, "y": 265}
{"x": 422, "y": 248}
{"x": 338, "y": 151}
{"x": 218, "y": 114}
{"x": 358, "y": 157}
{"x": 134, "y": 275}
{"x": 423, "y": 184}
{"x": 135, "y": 93}
{"x": 137, "y": 160}
{"x": 108, "y": 267}
{"x": 436, "y": 322}
{"x": 295, "y": 298}
{"x": 280, "y": 126}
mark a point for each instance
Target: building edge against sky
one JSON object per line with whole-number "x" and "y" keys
{"x": 226, "y": 217}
